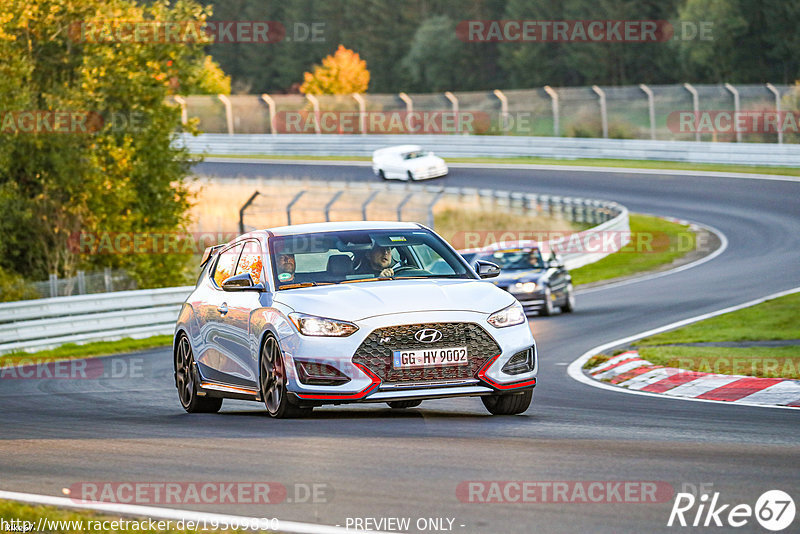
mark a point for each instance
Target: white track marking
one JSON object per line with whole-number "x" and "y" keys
{"x": 527, "y": 166}
{"x": 575, "y": 369}
{"x": 624, "y": 368}
{"x": 650, "y": 377}
{"x": 169, "y": 513}
{"x": 615, "y": 360}
{"x": 701, "y": 385}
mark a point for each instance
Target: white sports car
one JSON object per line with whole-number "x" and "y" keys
{"x": 407, "y": 162}
{"x": 331, "y": 313}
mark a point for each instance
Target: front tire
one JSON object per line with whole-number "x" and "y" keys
{"x": 547, "y": 308}
{"x": 381, "y": 174}
{"x": 508, "y": 404}
{"x": 409, "y": 176}
{"x": 272, "y": 383}
{"x": 569, "y": 300}
{"x": 186, "y": 383}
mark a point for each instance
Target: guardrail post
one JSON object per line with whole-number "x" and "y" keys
{"x": 407, "y": 99}
{"x": 228, "y": 112}
{"x": 182, "y": 102}
{"x": 315, "y": 105}
{"x": 777, "y": 110}
{"x": 329, "y": 204}
{"x": 370, "y": 198}
{"x": 503, "y": 110}
{"x": 554, "y": 99}
{"x": 400, "y": 206}
{"x": 651, "y": 108}
{"x": 603, "y": 110}
{"x": 292, "y": 203}
{"x": 271, "y": 105}
{"x": 696, "y": 106}
{"x": 735, "y": 93}
{"x": 81, "y": 283}
{"x": 53, "y": 285}
{"x": 362, "y": 113}
{"x": 107, "y": 284}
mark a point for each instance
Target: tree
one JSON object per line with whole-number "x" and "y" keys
{"x": 122, "y": 173}
{"x": 342, "y": 73}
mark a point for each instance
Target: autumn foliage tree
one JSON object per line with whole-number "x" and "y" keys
{"x": 342, "y": 73}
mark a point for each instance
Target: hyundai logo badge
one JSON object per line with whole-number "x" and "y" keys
{"x": 428, "y": 335}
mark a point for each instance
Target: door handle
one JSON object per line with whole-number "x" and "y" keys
{"x": 223, "y": 309}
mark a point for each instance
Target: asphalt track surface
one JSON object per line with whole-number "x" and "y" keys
{"x": 380, "y": 463}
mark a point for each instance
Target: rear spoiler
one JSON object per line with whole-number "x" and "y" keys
{"x": 208, "y": 252}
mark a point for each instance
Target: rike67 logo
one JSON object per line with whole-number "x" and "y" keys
{"x": 774, "y": 510}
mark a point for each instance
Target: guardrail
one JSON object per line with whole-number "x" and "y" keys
{"x": 48, "y": 323}
{"x": 41, "y": 324}
{"x": 496, "y": 147}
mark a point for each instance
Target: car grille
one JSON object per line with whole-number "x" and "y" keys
{"x": 377, "y": 356}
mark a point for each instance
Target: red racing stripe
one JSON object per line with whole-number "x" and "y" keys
{"x": 675, "y": 380}
{"x": 739, "y": 389}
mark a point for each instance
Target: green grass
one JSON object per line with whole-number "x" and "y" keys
{"x": 657, "y": 242}
{"x": 98, "y": 348}
{"x": 767, "y": 362}
{"x": 11, "y": 510}
{"x": 589, "y": 162}
{"x": 771, "y": 320}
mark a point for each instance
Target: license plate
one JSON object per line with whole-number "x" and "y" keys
{"x": 410, "y": 359}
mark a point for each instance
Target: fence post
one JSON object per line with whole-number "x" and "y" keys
{"x": 362, "y": 113}
{"x": 733, "y": 90}
{"x": 243, "y": 209}
{"x": 407, "y": 99}
{"x": 107, "y": 280}
{"x": 454, "y": 101}
{"x": 228, "y": 112}
{"x": 430, "y": 208}
{"x": 370, "y": 198}
{"x": 400, "y": 206}
{"x": 554, "y": 99}
{"x": 81, "y": 283}
{"x": 315, "y": 104}
{"x": 651, "y": 108}
{"x": 290, "y": 204}
{"x": 330, "y": 203}
{"x": 603, "y": 110}
{"x": 503, "y": 110}
{"x": 777, "y": 110}
{"x": 53, "y": 285}
{"x": 696, "y": 106}
{"x": 271, "y": 105}
{"x": 182, "y": 101}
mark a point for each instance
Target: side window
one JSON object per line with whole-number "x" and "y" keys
{"x": 251, "y": 261}
{"x": 226, "y": 265}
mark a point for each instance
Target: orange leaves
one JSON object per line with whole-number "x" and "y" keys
{"x": 342, "y": 73}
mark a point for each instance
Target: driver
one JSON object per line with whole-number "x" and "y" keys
{"x": 533, "y": 259}
{"x": 378, "y": 261}
{"x": 286, "y": 266}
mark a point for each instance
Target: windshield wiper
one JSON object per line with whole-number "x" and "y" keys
{"x": 305, "y": 284}
{"x": 376, "y": 279}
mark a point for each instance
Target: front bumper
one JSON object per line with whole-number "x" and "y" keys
{"x": 365, "y": 358}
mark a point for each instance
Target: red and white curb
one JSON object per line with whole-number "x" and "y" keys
{"x": 628, "y": 370}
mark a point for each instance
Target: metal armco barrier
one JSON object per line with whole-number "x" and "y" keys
{"x": 496, "y": 147}
{"x": 31, "y": 325}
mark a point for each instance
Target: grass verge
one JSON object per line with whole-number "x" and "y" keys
{"x": 655, "y": 243}
{"x": 771, "y": 320}
{"x": 621, "y": 163}
{"x": 98, "y": 348}
{"x": 65, "y": 521}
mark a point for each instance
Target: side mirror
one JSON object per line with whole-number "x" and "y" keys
{"x": 555, "y": 264}
{"x": 486, "y": 269}
{"x": 241, "y": 282}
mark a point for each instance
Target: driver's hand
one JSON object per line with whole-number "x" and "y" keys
{"x": 387, "y": 273}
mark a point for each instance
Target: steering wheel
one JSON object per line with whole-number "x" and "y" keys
{"x": 403, "y": 268}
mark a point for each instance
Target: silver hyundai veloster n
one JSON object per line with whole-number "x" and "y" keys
{"x": 331, "y": 313}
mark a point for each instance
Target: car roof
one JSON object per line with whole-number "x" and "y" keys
{"x": 399, "y": 149}
{"x": 312, "y": 228}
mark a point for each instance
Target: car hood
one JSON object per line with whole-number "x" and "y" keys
{"x": 426, "y": 161}
{"x": 352, "y": 302}
{"x": 511, "y": 277}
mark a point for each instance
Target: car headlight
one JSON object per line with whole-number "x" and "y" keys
{"x": 510, "y": 316}
{"x": 525, "y": 287}
{"x": 309, "y": 325}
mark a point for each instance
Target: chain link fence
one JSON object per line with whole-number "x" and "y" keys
{"x": 626, "y": 112}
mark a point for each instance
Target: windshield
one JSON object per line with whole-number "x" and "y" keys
{"x": 514, "y": 260}
{"x": 416, "y": 154}
{"x": 361, "y": 256}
